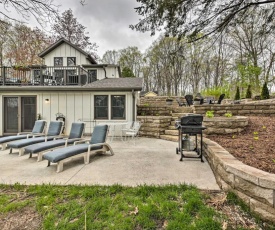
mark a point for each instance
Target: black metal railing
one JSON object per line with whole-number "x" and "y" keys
{"x": 44, "y": 75}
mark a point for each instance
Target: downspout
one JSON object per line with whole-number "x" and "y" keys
{"x": 104, "y": 71}
{"x": 134, "y": 105}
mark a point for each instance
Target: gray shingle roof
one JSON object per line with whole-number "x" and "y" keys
{"x": 117, "y": 83}
{"x": 63, "y": 40}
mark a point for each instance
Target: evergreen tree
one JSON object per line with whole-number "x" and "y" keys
{"x": 66, "y": 26}
{"x": 265, "y": 92}
{"x": 248, "y": 92}
{"x": 237, "y": 95}
{"x": 127, "y": 72}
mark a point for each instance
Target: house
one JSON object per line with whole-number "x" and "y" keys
{"x": 69, "y": 84}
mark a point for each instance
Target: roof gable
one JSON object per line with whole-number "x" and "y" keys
{"x": 61, "y": 41}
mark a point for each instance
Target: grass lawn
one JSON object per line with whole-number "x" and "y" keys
{"x": 109, "y": 207}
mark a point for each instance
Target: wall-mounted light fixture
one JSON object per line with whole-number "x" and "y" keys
{"x": 47, "y": 100}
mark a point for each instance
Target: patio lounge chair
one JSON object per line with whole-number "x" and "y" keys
{"x": 221, "y": 98}
{"x": 180, "y": 102}
{"x": 76, "y": 133}
{"x": 38, "y": 129}
{"x": 54, "y": 131}
{"x": 96, "y": 144}
{"x": 189, "y": 99}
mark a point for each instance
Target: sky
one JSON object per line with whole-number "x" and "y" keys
{"x": 107, "y": 22}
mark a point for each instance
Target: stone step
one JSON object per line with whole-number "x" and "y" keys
{"x": 172, "y": 127}
{"x": 169, "y": 138}
{"x": 171, "y": 132}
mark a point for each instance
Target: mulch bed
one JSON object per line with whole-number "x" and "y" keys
{"x": 255, "y": 146}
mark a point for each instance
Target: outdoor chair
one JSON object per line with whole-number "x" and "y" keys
{"x": 76, "y": 134}
{"x": 180, "y": 102}
{"x": 189, "y": 99}
{"x": 54, "y": 131}
{"x": 221, "y": 98}
{"x": 81, "y": 148}
{"x": 133, "y": 131}
{"x": 38, "y": 129}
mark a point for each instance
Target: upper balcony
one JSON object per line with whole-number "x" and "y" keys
{"x": 45, "y": 76}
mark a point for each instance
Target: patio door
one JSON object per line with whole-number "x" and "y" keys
{"x": 19, "y": 114}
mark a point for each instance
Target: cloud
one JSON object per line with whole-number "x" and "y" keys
{"x": 107, "y": 22}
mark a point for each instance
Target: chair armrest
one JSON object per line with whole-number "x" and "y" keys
{"x": 81, "y": 141}
{"x": 93, "y": 145}
{"x": 61, "y": 137}
{"x": 54, "y": 137}
{"x": 22, "y": 133}
{"x": 38, "y": 134}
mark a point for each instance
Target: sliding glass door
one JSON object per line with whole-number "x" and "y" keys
{"x": 19, "y": 114}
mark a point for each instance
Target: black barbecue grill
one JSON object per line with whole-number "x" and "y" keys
{"x": 190, "y": 125}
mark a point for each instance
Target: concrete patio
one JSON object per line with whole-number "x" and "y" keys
{"x": 150, "y": 161}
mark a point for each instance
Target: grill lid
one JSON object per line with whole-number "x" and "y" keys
{"x": 194, "y": 119}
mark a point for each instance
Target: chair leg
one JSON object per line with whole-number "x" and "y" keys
{"x": 49, "y": 163}
{"x": 10, "y": 150}
{"x": 39, "y": 156}
{"x": 59, "y": 167}
{"x": 4, "y": 146}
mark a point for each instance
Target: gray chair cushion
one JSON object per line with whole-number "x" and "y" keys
{"x": 12, "y": 138}
{"x": 99, "y": 134}
{"x": 39, "y": 126}
{"x": 22, "y": 143}
{"x": 55, "y": 128}
{"x": 76, "y": 130}
{"x": 42, "y": 146}
{"x": 63, "y": 153}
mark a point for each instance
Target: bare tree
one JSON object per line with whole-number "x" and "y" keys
{"x": 42, "y": 10}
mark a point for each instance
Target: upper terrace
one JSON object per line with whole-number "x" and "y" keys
{"x": 46, "y": 75}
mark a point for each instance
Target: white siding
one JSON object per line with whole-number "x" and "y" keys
{"x": 65, "y": 50}
{"x": 74, "y": 105}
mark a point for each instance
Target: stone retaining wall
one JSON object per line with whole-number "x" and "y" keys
{"x": 153, "y": 126}
{"x": 159, "y": 101}
{"x": 255, "y": 187}
{"x": 238, "y": 109}
{"x": 224, "y": 125}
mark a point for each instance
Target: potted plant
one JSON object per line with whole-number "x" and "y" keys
{"x": 169, "y": 101}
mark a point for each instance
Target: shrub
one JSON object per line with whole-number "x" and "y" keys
{"x": 237, "y": 95}
{"x": 228, "y": 115}
{"x": 209, "y": 114}
{"x": 265, "y": 92}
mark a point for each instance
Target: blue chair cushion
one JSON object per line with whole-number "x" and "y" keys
{"x": 55, "y": 128}
{"x": 39, "y": 126}
{"x": 42, "y": 146}
{"x": 99, "y": 134}
{"x": 76, "y": 130}
{"x": 12, "y": 138}
{"x": 22, "y": 143}
{"x": 63, "y": 153}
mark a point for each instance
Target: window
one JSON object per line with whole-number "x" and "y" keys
{"x": 101, "y": 107}
{"x": 71, "y": 61}
{"x": 58, "y": 61}
{"x": 92, "y": 75}
{"x": 117, "y": 107}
